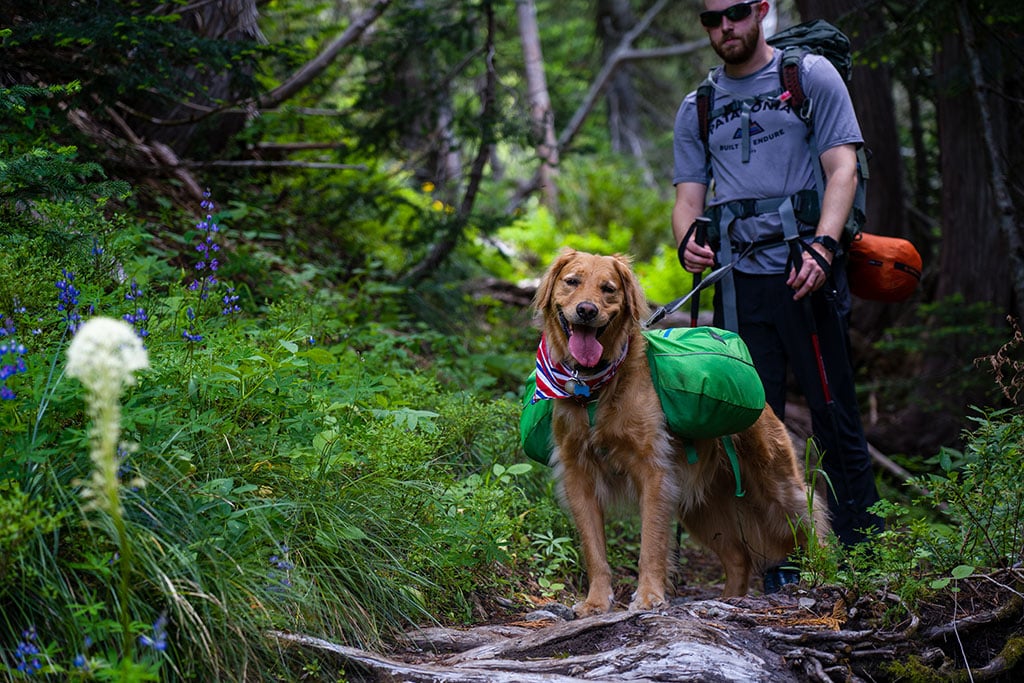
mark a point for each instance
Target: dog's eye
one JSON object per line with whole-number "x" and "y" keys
{"x": 609, "y": 288}
{"x": 572, "y": 281}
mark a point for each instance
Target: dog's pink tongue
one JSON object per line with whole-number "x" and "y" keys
{"x": 584, "y": 347}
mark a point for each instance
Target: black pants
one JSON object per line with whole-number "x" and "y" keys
{"x": 779, "y": 332}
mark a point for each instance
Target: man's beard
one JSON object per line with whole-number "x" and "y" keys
{"x": 738, "y": 53}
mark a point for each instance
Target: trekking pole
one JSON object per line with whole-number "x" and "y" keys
{"x": 700, "y": 225}
{"x": 795, "y": 261}
{"x": 830, "y": 404}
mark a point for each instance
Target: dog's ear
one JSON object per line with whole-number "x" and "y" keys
{"x": 546, "y": 288}
{"x": 636, "y": 300}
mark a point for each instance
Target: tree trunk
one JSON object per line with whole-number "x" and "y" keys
{"x": 808, "y": 634}
{"x": 541, "y": 114}
{"x": 990, "y": 115}
{"x": 230, "y": 20}
{"x": 973, "y": 260}
{"x": 450, "y": 236}
{"x": 623, "y": 53}
{"x": 615, "y": 19}
{"x": 871, "y": 92}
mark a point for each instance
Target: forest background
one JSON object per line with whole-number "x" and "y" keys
{"x": 323, "y": 219}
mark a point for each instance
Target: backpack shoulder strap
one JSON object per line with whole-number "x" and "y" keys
{"x": 705, "y": 103}
{"x": 789, "y": 79}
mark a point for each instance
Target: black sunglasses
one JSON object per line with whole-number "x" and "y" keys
{"x": 737, "y": 12}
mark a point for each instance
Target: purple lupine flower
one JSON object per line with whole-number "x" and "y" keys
{"x": 207, "y": 248}
{"x": 137, "y": 318}
{"x": 81, "y": 660}
{"x": 230, "y": 302}
{"x": 12, "y": 362}
{"x": 27, "y": 653}
{"x": 280, "y": 569}
{"x": 190, "y": 334}
{"x": 67, "y": 300}
{"x": 159, "y": 639}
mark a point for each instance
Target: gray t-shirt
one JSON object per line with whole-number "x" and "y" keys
{"x": 780, "y": 160}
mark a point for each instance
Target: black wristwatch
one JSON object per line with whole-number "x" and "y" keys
{"x": 827, "y": 242}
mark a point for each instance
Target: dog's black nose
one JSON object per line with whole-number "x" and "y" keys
{"x": 586, "y": 311}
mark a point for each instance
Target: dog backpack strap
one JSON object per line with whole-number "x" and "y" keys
{"x": 730, "y": 450}
{"x": 691, "y": 452}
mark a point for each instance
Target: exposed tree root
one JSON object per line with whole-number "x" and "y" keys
{"x": 794, "y": 636}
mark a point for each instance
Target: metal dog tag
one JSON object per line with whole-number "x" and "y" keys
{"x": 577, "y": 388}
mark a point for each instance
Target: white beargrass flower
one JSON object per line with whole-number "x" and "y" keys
{"x": 104, "y": 355}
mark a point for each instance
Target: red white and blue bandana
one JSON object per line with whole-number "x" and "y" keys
{"x": 560, "y": 380}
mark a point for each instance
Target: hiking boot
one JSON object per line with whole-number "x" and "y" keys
{"x": 777, "y": 577}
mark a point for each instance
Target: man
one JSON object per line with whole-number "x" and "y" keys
{"x": 787, "y": 298}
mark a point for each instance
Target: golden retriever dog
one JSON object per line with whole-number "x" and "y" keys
{"x": 590, "y": 309}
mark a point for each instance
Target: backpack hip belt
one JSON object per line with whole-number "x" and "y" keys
{"x": 806, "y": 208}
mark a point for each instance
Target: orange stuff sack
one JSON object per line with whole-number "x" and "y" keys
{"x": 883, "y": 268}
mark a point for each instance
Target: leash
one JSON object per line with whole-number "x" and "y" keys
{"x": 711, "y": 279}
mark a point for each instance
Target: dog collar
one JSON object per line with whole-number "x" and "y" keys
{"x": 560, "y": 380}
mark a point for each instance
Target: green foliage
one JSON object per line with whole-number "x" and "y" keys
{"x": 604, "y": 212}
{"x": 603, "y": 197}
{"x": 46, "y": 171}
{"x": 553, "y": 556}
{"x": 967, "y": 518}
{"x": 53, "y": 174}
{"x": 121, "y": 50}
{"x": 953, "y": 334}
{"x": 21, "y": 517}
{"x": 315, "y": 463}
{"x": 982, "y": 496}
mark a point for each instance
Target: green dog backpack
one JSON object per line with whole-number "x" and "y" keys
{"x": 535, "y": 423}
{"x": 705, "y": 380}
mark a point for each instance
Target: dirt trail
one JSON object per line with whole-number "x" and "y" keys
{"x": 820, "y": 635}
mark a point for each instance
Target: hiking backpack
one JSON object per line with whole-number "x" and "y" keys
{"x": 816, "y": 37}
{"x": 880, "y": 268}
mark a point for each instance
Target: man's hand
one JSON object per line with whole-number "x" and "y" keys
{"x": 811, "y": 276}
{"x": 689, "y": 205}
{"x": 696, "y": 258}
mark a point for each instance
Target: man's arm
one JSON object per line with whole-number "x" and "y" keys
{"x": 840, "y": 167}
{"x": 690, "y": 204}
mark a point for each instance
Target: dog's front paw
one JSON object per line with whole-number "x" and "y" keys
{"x": 592, "y": 606}
{"x": 649, "y": 600}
